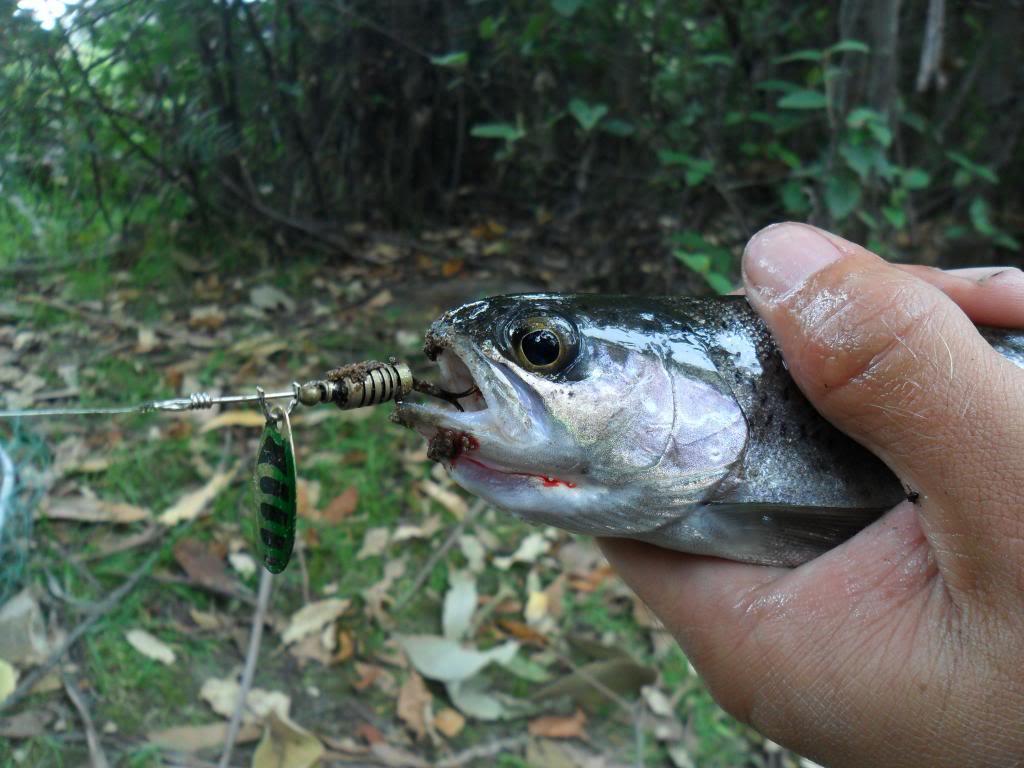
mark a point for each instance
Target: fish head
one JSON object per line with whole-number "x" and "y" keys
{"x": 585, "y": 412}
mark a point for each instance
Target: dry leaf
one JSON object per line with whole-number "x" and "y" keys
{"x": 370, "y": 674}
{"x": 374, "y": 543}
{"x": 414, "y": 704}
{"x": 530, "y": 548}
{"x": 192, "y": 504}
{"x": 449, "y": 722}
{"x": 657, "y": 701}
{"x": 396, "y": 757}
{"x": 341, "y": 506}
{"x": 149, "y": 646}
{"x": 369, "y": 733}
{"x": 192, "y": 738}
{"x": 89, "y": 509}
{"x": 234, "y": 419}
{"x": 428, "y": 528}
{"x": 22, "y": 630}
{"x": 286, "y": 745}
{"x": 208, "y": 318}
{"x": 147, "y": 340}
{"x": 313, "y": 617}
{"x": 243, "y": 563}
{"x": 346, "y": 646}
{"x": 202, "y": 563}
{"x": 208, "y": 620}
{"x": 8, "y": 679}
{"x": 448, "y": 499}
{"x": 271, "y": 299}
{"x": 25, "y": 725}
{"x": 559, "y": 727}
{"x": 376, "y": 595}
{"x": 222, "y": 696}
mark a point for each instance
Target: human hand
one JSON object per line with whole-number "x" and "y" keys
{"x": 904, "y": 646}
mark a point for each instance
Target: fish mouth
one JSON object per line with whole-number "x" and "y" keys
{"x": 501, "y": 417}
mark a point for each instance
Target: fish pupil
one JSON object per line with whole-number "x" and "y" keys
{"x": 540, "y": 347}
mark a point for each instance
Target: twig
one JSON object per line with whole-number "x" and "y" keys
{"x": 251, "y": 657}
{"x": 97, "y": 757}
{"x": 439, "y": 554}
{"x": 485, "y": 750}
{"x": 113, "y": 600}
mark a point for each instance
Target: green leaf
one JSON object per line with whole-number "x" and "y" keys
{"x": 803, "y": 99}
{"x": 808, "y": 54}
{"x": 715, "y": 59}
{"x": 868, "y": 219}
{"x": 777, "y": 85}
{"x": 587, "y": 115}
{"x": 861, "y": 116}
{"x": 566, "y": 8}
{"x": 720, "y": 283}
{"x": 859, "y": 158}
{"x": 915, "y": 178}
{"x": 882, "y": 133}
{"x": 506, "y": 131}
{"x": 617, "y": 127}
{"x": 453, "y": 60}
{"x": 849, "y": 46}
{"x": 980, "y": 171}
{"x": 794, "y": 197}
{"x": 842, "y": 195}
{"x": 488, "y": 27}
{"x": 980, "y": 218}
{"x": 895, "y": 216}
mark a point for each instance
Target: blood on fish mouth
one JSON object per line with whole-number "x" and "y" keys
{"x": 547, "y": 480}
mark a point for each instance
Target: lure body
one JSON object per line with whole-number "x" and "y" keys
{"x": 274, "y": 481}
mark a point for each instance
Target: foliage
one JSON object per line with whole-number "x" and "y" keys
{"x": 181, "y": 119}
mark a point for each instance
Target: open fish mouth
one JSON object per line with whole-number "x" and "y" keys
{"x": 501, "y": 418}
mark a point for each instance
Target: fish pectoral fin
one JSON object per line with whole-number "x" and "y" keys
{"x": 770, "y": 534}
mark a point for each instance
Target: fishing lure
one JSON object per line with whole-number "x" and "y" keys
{"x": 357, "y": 385}
{"x": 275, "y": 481}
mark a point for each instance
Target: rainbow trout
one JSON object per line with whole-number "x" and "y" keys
{"x": 668, "y": 420}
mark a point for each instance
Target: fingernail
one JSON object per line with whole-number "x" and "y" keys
{"x": 781, "y": 258}
{"x": 984, "y": 274}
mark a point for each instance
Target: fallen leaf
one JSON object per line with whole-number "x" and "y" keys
{"x": 192, "y": 504}
{"x": 89, "y": 509}
{"x": 192, "y": 738}
{"x": 524, "y": 633}
{"x": 307, "y": 496}
{"x": 208, "y": 318}
{"x": 313, "y": 617}
{"x": 26, "y": 725}
{"x": 377, "y": 595}
{"x": 341, "y": 506}
{"x": 286, "y": 745}
{"x": 8, "y": 679}
{"x": 346, "y": 646}
{"x": 448, "y": 499}
{"x": 371, "y": 674}
{"x": 439, "y": 658}
{"x": 222, "y": 696}
{"x": 234, "y": 419}
{"x": 201, "y": 563}
{"x": 473, "y": 698}
{"x": 559, "y": 726}
{"x": 550, "y": 754}
{"x": 621, "y": 675}
{"x": 449, "y": 722}
{"x": 271, "y": 299}
{"x": 424, "y": 531}
{"x": 23, "y": 637}
{"x": 147, "y": 340}
{"x": 369, "y": 733}
{"x": 459, "y": 605}
{"x": 529, "y": 550}
{"x": 243, "y": 563}
{"x": 149, "y": 646}
{"x": 414, "y": 704}
{"x": 208, "y": 620}
{"x": 473, "y": 551}
{"x": 657, "y": 701}
{"x": 374, "y": 543}
{"x": 396, "y": 757}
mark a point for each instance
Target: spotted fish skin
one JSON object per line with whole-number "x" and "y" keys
{"x": 275, "y": 497}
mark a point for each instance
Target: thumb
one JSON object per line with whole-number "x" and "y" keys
{"x": 894, "y": 363}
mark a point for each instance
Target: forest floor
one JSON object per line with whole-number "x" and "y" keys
{"x": 398, "y": 575}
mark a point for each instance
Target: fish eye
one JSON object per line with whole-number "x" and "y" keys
{"x": 543, "y": 344}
